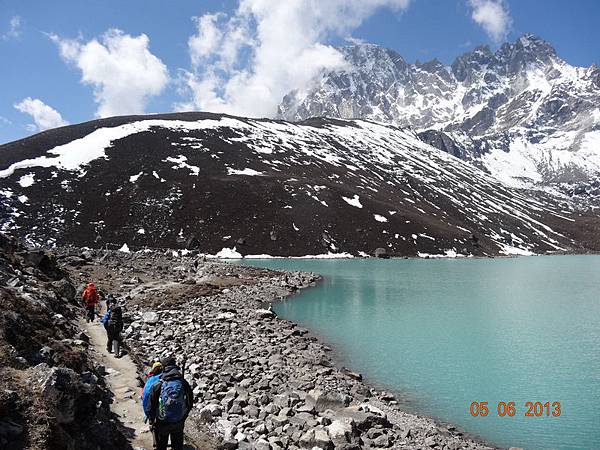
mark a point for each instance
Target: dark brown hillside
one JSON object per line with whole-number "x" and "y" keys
{"x": 209, "y": 182}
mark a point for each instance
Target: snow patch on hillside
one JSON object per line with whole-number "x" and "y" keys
{"x": 248, "y": 172}
{"x": 354, "y": 201}
{"x": 27, "y": 180}
{"x": 77, "y": 153}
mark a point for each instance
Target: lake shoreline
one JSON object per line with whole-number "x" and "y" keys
{"x": 260, "y": 380}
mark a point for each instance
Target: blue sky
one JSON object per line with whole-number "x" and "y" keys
{"x": 61, "y": 64}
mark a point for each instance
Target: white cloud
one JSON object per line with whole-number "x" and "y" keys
{"x": 44, "y": 116}
{"x": 5, "y": 121}
{"x": 120, "y": 67}
{"x": 15, "y": 28}
{"x": 245, "y": 63}
{"x": 493, "y": 16}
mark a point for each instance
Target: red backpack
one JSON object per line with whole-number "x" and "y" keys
{"x": 90, "y": 295}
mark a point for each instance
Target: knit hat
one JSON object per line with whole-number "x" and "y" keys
{"x": 168, "y": 361}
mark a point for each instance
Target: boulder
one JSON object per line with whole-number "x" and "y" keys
{"x": 264, "y": 313}
{"x": 341, "y": 431}
{"x": 322, "y": 401}
{"x": 64, "y": 288}
{"x": 228, "y": 444}
{"x": 225, "y": 316}
{"x": 63, "y": 390}
{"x": 228, "y": 429}
{"x": 150, "y": 318}
{"x": 364, "y": 416}
{"x": 430, "y": 441}
{"x": 382, "y": 440}
{"x": 354, "y": 375}
{"x": 42, "y": 261}
{"x": 214, "y": 409}
{"x": 261, "y": 444}
{"x": 316, "y": 437}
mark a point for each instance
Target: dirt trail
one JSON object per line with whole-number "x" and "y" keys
{"x": 122, "y": 380}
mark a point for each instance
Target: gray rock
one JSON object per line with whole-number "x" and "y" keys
{"x": 316, "y": 437}
{"x": 261, "y": 428}
{"x": 341, "y": 430}
{"x": 364, "y": 416}
{"x": 430, "y": 441}
{"x": 63, "y": 390}
{"x": 64, "y": 288}
{"x": 214, "y": 409}
{"x": 150, "y": 318}
{"x": 228, "y": 429}
{"x": 261, "y": 444}
{"x": 382, "y": 441}
{"x": 205, "y": 415}
{"x": 229, "y": 444}
{"x": 322, "y": 401}
{"x": 281, "y": 400}
{"x": 265, "y": 313}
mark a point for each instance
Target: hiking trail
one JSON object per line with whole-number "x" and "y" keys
{"x": 122, "y": 380}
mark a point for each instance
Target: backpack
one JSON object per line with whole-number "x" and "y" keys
{"x": 115, "y": 319}
{"x": 172, "y": 405}
{"x": 90, "y": 296}
{"x": 105, "y": 318}
{"x": 116, "y": 315}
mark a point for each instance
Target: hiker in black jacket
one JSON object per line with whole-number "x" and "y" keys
{"x": 170, "y": 401}
{"x": 113, "y": 323}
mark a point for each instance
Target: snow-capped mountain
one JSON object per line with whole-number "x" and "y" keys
{"x": 231, "y": 185}
{"x": 521, "y": 113}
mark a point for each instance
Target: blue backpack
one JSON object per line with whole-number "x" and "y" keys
{"x": 172, "y": 405}
{"x": 105, "y": 318}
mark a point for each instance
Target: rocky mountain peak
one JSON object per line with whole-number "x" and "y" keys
{"x": 528, "y": 50}
{"x": 471, "y": 62}
{"x": 364, "y": 55}
{"x": 522, "y": 99}
{"x": 432, "y": 66}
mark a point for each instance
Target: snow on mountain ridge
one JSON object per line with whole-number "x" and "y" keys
{"x": 271, "y": 187}
{"x": 519, "y": 97}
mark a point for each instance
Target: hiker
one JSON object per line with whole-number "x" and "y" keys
{"x": 110, "y": 300}
{"x": 156, "y": 369}
{"x": 90, "y": 300}
{"x": 169, "y": 401}
{"x": 113, "y": 323}
{"x": 152, "y": 377}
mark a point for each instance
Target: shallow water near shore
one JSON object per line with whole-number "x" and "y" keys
{"x": 446, "y": 333}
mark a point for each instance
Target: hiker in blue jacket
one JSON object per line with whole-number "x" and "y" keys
{"x": 169, "y": 401}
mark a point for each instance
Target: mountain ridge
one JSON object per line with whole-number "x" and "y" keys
{"x": 255, "y": 186}
{"x": 522, "y": 100}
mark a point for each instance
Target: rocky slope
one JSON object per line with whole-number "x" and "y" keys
{"x": 522, "y": 113}
{"x": 52, "y": 393}
{"x": 236, "y": 186}
{"x": 260, "y": 382}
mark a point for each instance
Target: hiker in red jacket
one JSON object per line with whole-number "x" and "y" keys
{"x": 90, "y": 300}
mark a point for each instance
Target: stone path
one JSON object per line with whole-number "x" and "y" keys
{"x": 123, "y": 382}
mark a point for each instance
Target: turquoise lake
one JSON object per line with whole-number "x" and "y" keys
{"x": 444, "y": 333}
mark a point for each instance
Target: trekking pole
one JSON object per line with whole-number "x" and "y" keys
{"x": 184, "y": 362}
